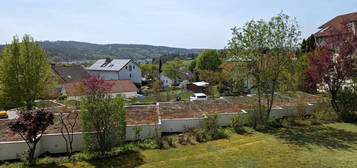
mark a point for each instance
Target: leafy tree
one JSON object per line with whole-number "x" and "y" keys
{"x": 102, "y": 117}
{"x": 264, "y": 49}
{"x": 213, "y": 77}
{"x": 174, "y": 69}
{"x": 208, "y": 60}
{"x": 25, "y": 73}
{"x": 331, "y": 64}
{"x": 150, "y": 71}
{"x": 31, "y": 125}
{"x": 192, "y": 65}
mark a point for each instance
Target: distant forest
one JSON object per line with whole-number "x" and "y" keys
{"x": 68, "y": 51}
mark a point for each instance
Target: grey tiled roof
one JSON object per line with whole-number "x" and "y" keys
{"x": 109, "y": 65}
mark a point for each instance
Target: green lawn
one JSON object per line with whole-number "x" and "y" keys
{"x": 331, "y": 145}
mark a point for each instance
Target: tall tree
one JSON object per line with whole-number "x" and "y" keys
{"x": 174, "y": 69}
{"x": 31, "y": 125}
{"x": 208, "y": 60}
{"x": 25, "y": 73}
{"x": 308, "y": 45}
{"x": 331, "y": 65}
{"x": 264, "y": 48}
{"x": 102, "y": 117}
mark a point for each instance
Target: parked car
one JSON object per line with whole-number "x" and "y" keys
{"x": 3, "y": 114}
{"x": 198, "y": 96}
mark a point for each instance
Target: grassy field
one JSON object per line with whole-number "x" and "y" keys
{"x": 324, "y": 146}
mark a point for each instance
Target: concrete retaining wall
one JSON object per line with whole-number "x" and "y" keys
{"x": 180, "y": 125}
{"x": 54, "y": 143}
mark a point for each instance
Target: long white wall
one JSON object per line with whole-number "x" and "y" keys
{"x": 54, "y": 143}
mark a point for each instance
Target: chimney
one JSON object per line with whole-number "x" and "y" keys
{"x": 108, "y": 60}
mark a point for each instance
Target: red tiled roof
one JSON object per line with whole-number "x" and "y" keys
{"x": 118, "y": 86}
{"x": 337, "y": 24}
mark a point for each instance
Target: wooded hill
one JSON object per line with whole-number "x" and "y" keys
{"x": 66, "y": 51}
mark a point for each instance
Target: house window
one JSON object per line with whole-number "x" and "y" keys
{"x": 130, "y": 68}
{"x": 126, "y": 67}
{"x": 133, "y": 66}
{"x": 130, "y": 75}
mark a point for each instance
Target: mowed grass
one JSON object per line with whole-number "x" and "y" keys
{"x": 331, "y": 145}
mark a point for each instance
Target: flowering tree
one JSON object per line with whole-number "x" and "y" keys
{"x": 331, "y": 65}
{"x": 102, "y": 117}
{"x": 30, "y": 126}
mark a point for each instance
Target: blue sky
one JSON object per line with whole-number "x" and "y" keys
{"x": 175, "y": 23}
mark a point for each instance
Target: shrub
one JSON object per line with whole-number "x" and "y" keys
{"x": 301, "y": 110}
{"x": 62, "y": 97}
{"x": 257, "y": 118}
{"x": 347, "y": 100}
{"x": 237, "y": 123}
{"x": 324, "y": 114}
{"x": 212, "y": 128}
{"x": 137, "y": 130}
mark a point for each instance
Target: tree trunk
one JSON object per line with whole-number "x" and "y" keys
{"x": 333, "y": 101}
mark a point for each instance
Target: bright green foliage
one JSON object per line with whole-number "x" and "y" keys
{"x": 150, "y": 71}
{"x": 263, "y": 50}
{"x": 208, "y": 60}
{"x": 103, "y": 121}
{"x": 174, "y": 69}
{"x": 25, "y": 73}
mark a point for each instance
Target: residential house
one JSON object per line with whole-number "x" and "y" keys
{"x": 116, "y": 69}
{"x": 166, "y": 81}
{"x": 68, "y": 74}
{"x": 198, "y": 87}
{"x": 344, "y": 24}
{"x": 125, "y": 88}
{"x": 230, "y": 66}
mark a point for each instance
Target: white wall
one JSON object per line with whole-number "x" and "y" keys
{"x": 54, "y": 143}
{"x": 165, "y": 80}
{"x": 135, "y": 72}
{"x": 106, "y": 75}
{"x": 124, "y": 73}
{"x": 180, "y": 125}
{"x": 148, "y": 131}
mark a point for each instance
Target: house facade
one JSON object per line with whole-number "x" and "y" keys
{"x": 124, "y": 88}
{"x": 68, "y": 74}
{"x": 340, "y": 25}
{"x": 116, "y": 69}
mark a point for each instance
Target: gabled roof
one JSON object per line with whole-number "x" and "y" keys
{"x": 71, "y": 73}
{"x": 118, "y": 86}
{"x": 337, "y": 24}
{"x": 109, "y": 64}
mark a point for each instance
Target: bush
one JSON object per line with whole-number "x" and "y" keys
{"x": 212, "y": 129}
{"x": 257, "y": 119}
{"x": 237, "y": 123}
{"x": 347, "y": 100}
{"x": 62, "y": 97}
{"x": 137, "y": 130}
{"x": 324, "y": 114}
